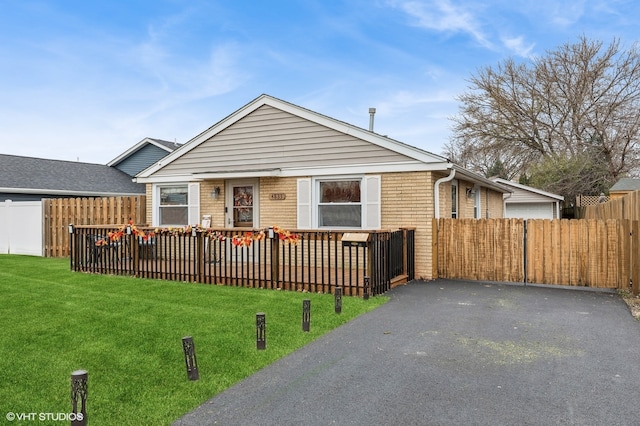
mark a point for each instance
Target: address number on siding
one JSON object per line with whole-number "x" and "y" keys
{"x": 278, "y": 196}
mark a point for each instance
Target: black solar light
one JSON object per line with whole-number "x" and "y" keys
{"x": 79, "y": 392}
{"x": 367, "y": 289}
{"x": 261, "y": 331}
{"x": 190, "y": 360}
{"x": 306, "y": 314}
{"x": 338, "y": 298}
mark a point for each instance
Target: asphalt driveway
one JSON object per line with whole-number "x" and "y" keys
{"x": 454, "y": 353}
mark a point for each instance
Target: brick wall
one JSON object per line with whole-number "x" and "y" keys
{"x": 277, "y": 211}
{"x": 149, "y": 191}
{"x": 407, "y": 201}
{"x": 211, "y": 206}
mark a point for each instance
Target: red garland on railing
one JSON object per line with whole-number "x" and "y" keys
{"x": 286, "y": 235}
{"x": 115, "y": 236}
{"x": 243, "y": 240}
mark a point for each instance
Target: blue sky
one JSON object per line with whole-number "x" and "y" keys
{"x": 88, "y": 79}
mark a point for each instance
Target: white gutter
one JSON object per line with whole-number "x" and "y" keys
{"x": 436, "y": 192}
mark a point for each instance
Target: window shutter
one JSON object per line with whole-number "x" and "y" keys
{"x": 194, "y": 203}
{"x": 371, "y": 219}
{"x": 304, "y": 203}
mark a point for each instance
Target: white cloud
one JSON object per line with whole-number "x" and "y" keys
{"x": 566, "y": 14}
{"x": 443, "y": 16}
{"x": 518, "y": 46}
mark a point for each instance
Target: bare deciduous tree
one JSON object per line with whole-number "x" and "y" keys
{"x": 581, "y": 101}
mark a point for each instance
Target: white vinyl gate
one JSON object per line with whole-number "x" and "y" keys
{"x": 21, "y": 228}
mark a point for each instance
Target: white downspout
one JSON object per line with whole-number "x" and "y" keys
{"x": 436, "y": 192}
{"x": 505, "y": 197}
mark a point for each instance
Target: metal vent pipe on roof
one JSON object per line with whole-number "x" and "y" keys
{"x": 372, "y": 112}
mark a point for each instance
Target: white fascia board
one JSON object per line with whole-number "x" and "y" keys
{"x": 479, "y": 179}
{"x": 350, "y": 169}
{"x": 198, "y": 177}
{"x": 528, "y": 188}
{"x": 165, "y": 179}
{"x": 365, "y": 169}
{"x": 236, "y": 174}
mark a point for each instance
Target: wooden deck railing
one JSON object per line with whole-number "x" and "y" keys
{"x": 300, "y": 260}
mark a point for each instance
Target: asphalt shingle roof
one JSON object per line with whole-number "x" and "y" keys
{"x": 626, "y": 184}
{"x": 18, "y": 172}
{"x": 168, "y": 144}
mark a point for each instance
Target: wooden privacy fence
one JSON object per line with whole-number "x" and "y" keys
{"x": 627, "y": 207}
{"x": 314, "y": 261}
{"x": 60, "y": 212}
{"x": 592, "y": 253}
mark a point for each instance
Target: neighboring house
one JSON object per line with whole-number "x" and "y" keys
{"x": 31, "y": 179}
{"x": 526, "y": 202}
{"x": 275, "y": 163}
{"x": 623, "y": 187}
{"x": 143, "y": 154}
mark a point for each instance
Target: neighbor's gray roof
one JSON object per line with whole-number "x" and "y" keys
{"x": 626, "y": 184}
{"x": 168, "y": 144}
{"x": 29, "y": 174}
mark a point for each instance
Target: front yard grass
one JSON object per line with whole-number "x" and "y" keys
{"x": 127, "y": 332}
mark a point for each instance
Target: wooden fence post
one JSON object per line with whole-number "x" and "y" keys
{"x": 635, "y": 258}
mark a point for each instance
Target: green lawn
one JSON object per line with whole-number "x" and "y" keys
{"x": 127, "y": 332}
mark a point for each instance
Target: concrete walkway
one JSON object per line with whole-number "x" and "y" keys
{"x": 454, "y": 353}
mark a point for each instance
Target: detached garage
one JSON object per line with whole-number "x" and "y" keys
{"x": 529, "y": 203}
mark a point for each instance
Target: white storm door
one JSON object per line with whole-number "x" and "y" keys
{"x": 241, "y": 204}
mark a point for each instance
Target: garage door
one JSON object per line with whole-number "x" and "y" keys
{"x": 529, "y": 210}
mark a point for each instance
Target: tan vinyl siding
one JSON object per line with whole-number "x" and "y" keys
{"x": 522, "y": 196}
{"x": 269, "y": 138}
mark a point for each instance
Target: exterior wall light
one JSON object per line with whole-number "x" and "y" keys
{"x": 215, "y": 194}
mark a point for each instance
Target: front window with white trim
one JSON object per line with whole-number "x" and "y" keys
{"x": 339, "y": 203}
{"x": 174, "y": 206}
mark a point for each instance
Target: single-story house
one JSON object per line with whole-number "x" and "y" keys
{"x": 623, "y": 187}
{"x": 32, "y": 179}
{"x": 526, "y": 202}
{"x": 275, "y": 163}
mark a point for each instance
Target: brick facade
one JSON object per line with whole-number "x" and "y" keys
{"x": 406, "y": 201}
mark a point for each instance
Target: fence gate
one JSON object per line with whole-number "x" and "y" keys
{"x": 585, "y": 252}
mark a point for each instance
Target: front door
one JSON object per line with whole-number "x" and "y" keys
{"x": 242, "y": 208}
